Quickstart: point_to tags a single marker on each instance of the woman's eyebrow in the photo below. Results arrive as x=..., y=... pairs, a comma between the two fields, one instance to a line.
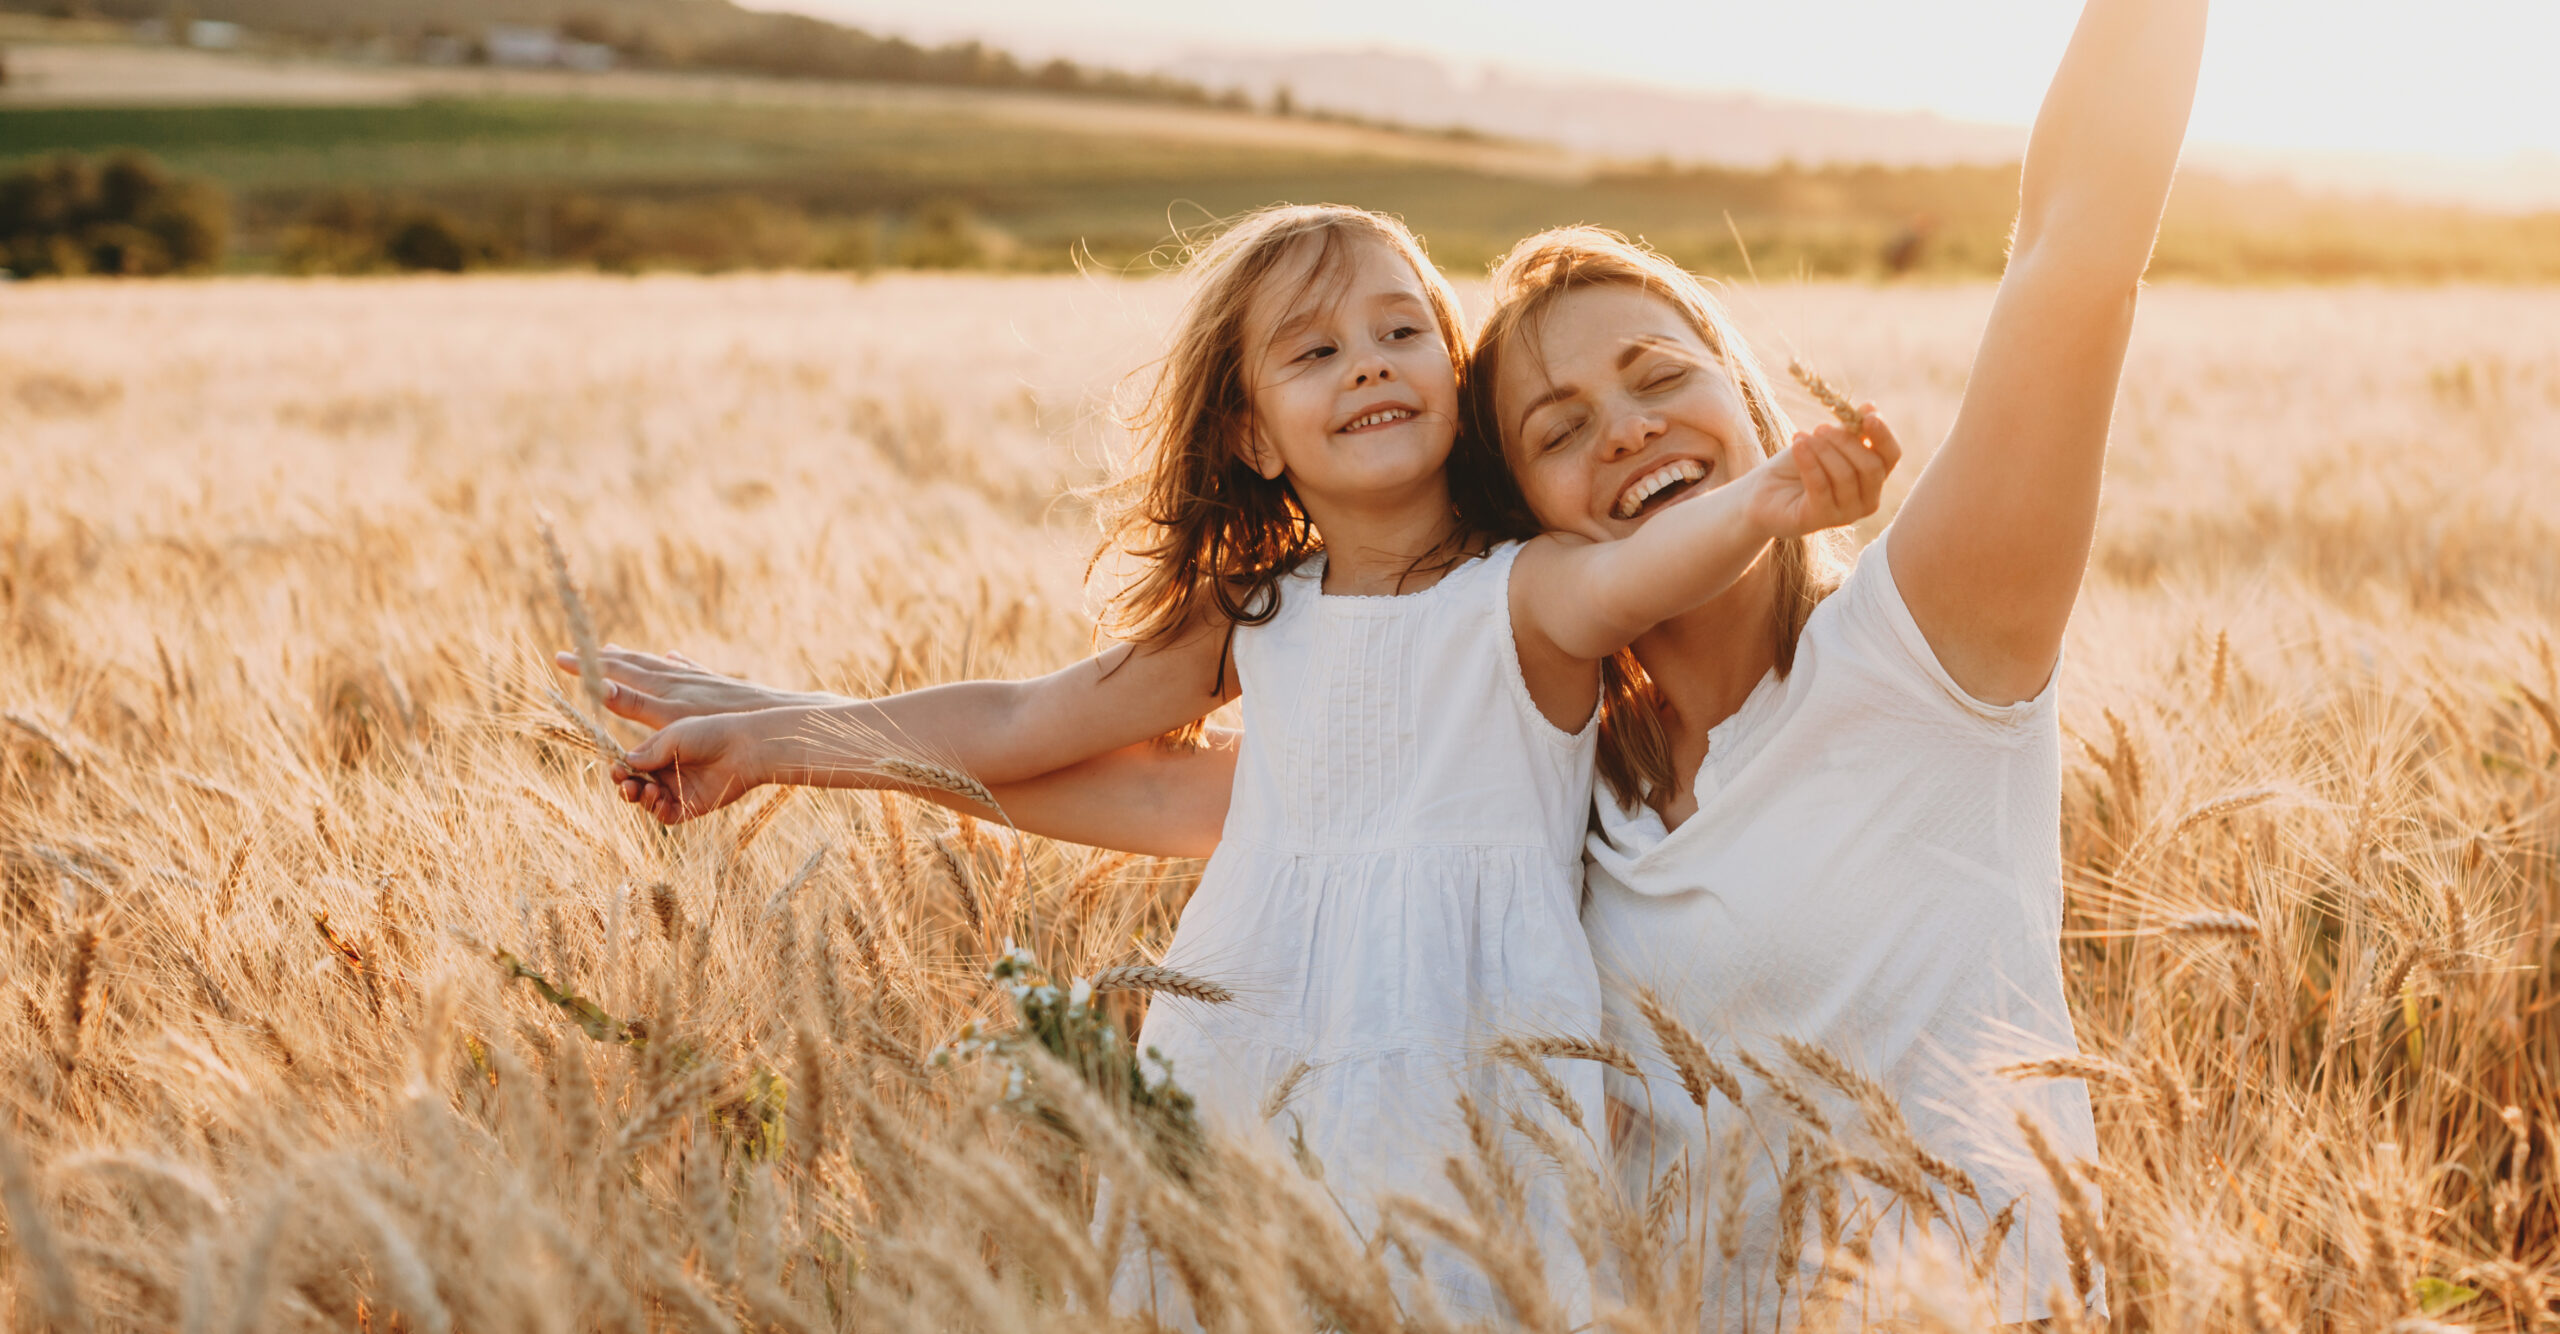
x=1556, y=393
x=1643, y=343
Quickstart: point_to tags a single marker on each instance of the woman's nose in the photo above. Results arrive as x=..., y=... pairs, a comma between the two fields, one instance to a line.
x=1630, y=432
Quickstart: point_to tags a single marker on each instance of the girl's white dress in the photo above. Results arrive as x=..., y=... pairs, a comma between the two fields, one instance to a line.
x=1398, y=884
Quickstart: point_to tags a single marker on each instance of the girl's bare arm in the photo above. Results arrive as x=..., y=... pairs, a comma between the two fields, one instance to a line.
x=1990, y=547
x=1587, y=600
x=1152, y=798
x=995, y=732
x=1156, y=799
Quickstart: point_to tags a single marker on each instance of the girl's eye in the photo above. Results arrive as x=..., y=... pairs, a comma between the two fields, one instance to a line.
x=1405, y=331
x=1316, y=353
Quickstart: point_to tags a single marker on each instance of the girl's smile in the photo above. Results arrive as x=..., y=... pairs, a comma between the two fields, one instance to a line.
x=1355, y=395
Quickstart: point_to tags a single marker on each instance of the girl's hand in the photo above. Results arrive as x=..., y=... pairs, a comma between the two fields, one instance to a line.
x=693, y=766
x=1829, y=477
x=655, y=690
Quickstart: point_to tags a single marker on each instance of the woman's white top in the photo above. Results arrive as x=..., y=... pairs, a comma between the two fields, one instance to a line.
x=1875, y=868
x=1399, y=882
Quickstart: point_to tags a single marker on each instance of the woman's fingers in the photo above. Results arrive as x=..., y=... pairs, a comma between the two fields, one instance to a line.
x=641, y=707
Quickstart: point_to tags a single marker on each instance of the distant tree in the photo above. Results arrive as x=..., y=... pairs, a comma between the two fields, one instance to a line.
x=588, y=26
x=69, y=214
x=1282, y=104
x=942, y=234
x=431, y=240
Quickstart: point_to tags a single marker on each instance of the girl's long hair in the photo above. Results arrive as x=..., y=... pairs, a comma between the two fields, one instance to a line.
x=1201, y=522
x=1635, y=752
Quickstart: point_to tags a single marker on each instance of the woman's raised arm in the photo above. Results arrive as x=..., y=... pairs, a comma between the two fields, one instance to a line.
x=1990, y=547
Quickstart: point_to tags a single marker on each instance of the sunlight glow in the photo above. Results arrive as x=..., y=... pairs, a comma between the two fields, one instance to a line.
x=2457, y=78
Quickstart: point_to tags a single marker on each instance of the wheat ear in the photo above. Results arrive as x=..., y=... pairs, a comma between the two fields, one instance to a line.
x=937, y=778
x=1148, y=977
x=1831, y=399
x=2212, y=926
x=582, y=633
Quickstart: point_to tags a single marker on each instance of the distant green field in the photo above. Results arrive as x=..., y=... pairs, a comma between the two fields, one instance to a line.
x=1050, y=190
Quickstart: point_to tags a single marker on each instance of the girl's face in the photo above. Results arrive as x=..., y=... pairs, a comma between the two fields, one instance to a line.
x=1612, y=409
x=1355, y=394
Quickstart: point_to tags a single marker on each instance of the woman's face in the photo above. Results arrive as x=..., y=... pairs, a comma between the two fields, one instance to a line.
x=1612, y=410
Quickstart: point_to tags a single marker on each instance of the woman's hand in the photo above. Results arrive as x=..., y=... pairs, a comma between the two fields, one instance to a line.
x=655, y=689
x=1828, y=477
x=694, y=766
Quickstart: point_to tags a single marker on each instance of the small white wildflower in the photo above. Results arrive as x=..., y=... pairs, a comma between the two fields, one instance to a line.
x=1013, y=1084
x=1079, y=994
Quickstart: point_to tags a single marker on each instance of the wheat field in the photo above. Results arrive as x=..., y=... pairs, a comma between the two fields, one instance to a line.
x=344, y=995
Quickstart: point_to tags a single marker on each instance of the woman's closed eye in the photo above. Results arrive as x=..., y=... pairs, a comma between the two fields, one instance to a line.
x=1668, y=377
x=1562, y=433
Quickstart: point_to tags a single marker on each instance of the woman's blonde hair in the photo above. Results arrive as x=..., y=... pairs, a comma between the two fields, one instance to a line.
x=1635, y=753
x=1193, y=510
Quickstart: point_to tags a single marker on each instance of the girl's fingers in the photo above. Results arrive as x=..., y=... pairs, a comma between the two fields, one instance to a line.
x=1831, y=457
x=1881, y=439
x=1816, y=478
x=1870, y=468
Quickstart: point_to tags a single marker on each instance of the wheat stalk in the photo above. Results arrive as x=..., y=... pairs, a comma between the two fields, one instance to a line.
x=1150, y=977
x=582, y=634
x=2211, y=926
x=1699, y=1071
x=937, y=778
x=2090, y=1069
x=2217, y=808
x=1798, y=1102
x=1832, y=400
x=1564, y=1047
x=1514, y=1053
x=808, y=868
x=2079, y=1222
x=1275, y=1099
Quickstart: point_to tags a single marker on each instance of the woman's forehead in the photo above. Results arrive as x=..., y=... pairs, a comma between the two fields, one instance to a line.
x=1602, y=324
x=1590, y=331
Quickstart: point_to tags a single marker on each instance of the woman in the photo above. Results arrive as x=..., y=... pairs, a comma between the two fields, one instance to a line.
x=1841, y=825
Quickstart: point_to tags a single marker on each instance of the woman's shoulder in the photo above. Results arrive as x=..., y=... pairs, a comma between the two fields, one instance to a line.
x=1865, y=620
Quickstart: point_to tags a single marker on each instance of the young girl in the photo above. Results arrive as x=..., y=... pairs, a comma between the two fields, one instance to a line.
x=1398, y=877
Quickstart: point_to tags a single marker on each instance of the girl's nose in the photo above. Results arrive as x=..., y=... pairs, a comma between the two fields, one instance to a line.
x=1375, y=368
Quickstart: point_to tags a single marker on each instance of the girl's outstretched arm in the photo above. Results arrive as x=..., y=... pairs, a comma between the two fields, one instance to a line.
x=1990, y=547
x=1152, y=799
x=997, y=732
x=1585, y=600
x=1155, y=799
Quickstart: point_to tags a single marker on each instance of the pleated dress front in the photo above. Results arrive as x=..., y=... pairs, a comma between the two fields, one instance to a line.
x=1398, y=883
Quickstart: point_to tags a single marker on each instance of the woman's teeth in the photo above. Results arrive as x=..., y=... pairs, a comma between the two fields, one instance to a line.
x=1651, y=484
x=1380, y=418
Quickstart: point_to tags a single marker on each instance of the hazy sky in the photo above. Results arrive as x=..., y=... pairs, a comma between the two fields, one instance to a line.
x=2469, y=78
